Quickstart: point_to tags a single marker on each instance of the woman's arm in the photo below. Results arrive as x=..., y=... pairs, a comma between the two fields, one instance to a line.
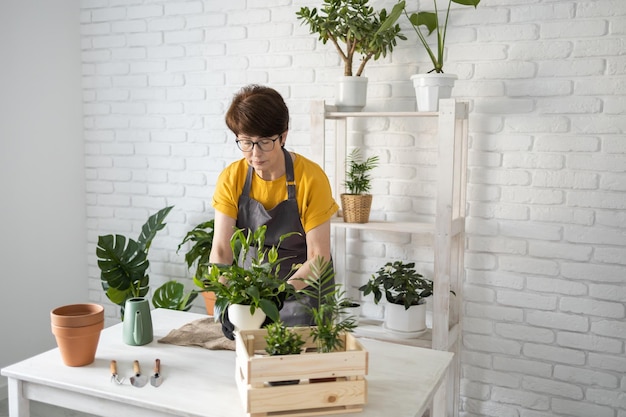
x=223, y=228
x=318, y=244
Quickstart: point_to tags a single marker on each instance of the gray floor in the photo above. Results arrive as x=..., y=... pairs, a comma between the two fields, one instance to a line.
x=42, y=410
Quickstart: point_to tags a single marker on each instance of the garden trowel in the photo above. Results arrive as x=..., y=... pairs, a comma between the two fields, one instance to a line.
x=156, y=378
x=138, y=380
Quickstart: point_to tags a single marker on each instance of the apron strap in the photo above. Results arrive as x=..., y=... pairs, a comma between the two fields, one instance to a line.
x=291, y=182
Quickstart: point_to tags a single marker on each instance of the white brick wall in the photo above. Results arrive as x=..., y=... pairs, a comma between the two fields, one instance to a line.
x=545, y=299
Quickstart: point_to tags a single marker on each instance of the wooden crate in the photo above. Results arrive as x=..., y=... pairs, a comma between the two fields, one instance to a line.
x=346, y=392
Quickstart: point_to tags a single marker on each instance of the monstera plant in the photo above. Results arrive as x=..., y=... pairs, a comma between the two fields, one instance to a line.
x=123, y=264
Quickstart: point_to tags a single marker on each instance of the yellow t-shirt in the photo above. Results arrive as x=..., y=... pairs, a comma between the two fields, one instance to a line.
x=313, y=194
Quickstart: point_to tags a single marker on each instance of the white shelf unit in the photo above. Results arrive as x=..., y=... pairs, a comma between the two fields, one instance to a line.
x=447, y=231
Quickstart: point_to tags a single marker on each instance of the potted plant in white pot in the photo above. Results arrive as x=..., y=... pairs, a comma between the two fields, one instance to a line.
x=250, y=294
x=405, y=291
x=356, y=202
x=435, y=84
x=354, y=28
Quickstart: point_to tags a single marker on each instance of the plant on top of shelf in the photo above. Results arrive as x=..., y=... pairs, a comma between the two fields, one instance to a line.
x=430, y=21
x=353, y=27
x=435, y=85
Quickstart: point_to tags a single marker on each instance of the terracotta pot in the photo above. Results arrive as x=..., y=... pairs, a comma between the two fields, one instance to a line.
x=209, y=302
x=78, y=345
x=77, y=315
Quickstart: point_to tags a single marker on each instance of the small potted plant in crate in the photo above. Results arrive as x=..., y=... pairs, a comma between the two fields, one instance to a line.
x=405, y=291
x=282, y=340
x=356, y=202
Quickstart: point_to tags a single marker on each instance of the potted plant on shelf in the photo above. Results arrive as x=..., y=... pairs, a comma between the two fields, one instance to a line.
x=354, y=28
x=405, y=291
x=356, y=202
x=123, y=264
x=250, y=293
x=202, y=238
x=434, y=85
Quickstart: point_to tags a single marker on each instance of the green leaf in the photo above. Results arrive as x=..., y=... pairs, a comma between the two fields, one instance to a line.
x=122, y=264
x=151, y=227
x=171, y=295
x=427, y=19
x=270, y=309
x=467, y=2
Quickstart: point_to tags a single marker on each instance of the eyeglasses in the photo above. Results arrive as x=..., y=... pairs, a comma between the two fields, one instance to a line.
x=265, y=144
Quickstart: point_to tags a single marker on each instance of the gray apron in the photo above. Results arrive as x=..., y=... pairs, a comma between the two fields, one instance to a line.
x=282, y=219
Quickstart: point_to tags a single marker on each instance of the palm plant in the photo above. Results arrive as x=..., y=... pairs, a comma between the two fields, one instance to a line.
x=329, y=324
x=358, y=180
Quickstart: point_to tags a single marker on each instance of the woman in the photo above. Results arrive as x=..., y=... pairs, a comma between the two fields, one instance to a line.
x=271, y=186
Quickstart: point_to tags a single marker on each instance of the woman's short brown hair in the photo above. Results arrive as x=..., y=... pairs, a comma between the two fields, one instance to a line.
x=257, y=111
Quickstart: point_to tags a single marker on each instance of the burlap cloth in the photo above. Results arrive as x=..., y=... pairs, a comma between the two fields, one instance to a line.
x=203, y=332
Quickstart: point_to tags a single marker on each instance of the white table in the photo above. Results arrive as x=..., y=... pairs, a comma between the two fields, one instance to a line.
x=402, y=380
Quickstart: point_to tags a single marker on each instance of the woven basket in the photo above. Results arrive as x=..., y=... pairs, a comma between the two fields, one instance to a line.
x=356, y=208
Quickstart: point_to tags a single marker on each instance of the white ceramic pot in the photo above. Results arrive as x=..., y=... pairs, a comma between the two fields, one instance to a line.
x=409, y=322
x=430, y=88
x=351, y=93
x=239, y=315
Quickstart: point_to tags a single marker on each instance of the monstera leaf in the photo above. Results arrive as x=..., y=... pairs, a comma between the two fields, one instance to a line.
x=172, y=295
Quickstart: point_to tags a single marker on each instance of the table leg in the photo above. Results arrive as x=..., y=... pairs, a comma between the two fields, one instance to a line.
x=19, y=406
x=440, y=400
